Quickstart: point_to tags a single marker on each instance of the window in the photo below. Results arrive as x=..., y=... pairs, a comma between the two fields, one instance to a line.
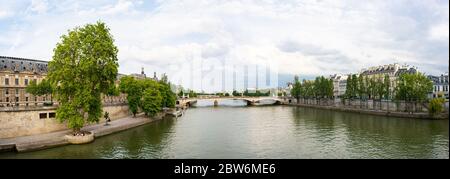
x=6, y=91
x=17, y=99
x=17, y=91
x=51, y=115
x=7, y=99
x=42, y=115
x=26, y=82
x=26, y=99
x=17, y=81
x=6, y=81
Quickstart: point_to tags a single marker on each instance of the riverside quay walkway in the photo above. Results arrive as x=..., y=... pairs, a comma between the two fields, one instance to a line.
x=49, y=140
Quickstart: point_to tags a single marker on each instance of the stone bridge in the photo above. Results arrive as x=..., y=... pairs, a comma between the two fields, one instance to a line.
x=251, y=101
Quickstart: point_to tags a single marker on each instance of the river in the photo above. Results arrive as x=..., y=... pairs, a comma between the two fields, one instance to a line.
x=235, y=131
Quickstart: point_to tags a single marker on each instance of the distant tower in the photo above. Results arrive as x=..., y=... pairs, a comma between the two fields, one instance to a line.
x=154, y=77
x=142, y=71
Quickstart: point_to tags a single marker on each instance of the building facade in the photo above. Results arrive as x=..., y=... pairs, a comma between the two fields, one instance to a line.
x=15, y=75
x=339, y=84
x=440, y=86
x=393, y=71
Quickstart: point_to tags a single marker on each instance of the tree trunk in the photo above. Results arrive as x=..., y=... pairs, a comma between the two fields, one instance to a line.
x=76, y=131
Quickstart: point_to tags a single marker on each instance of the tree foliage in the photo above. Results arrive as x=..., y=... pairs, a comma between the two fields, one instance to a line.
x=364, y=87
x=296, y=88
x=235, y=93
x=413, y=87
x=168, y=96
x=436, y=106
x=130, y=86
x=151, y=101
x=352, y=88
x=321, y=87
x=257, y=93
x=192, y=94
x=139, y=94
x=43, y=88
x=84, y=66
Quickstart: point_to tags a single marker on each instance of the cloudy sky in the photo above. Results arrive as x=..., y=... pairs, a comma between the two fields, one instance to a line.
x=305, y=37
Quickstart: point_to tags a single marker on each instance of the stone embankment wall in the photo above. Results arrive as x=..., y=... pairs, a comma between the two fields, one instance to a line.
x=24, y=122
x=376, y=107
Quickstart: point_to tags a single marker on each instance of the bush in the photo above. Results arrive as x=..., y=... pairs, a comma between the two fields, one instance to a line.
x=436, y=106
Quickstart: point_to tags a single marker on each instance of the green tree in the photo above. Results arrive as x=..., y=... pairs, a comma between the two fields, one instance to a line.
x=43, y=88
x=192, y=94
x=436, y=106
x=349, y=89
x=181, y=93
x=354, y=86
x=380, y=89
x=113, y=91
x=133, y=89
x=246, y=93
x=84, y=66
x=151, y=102
x=362, y=89
x=371, y=88
x=413, y=87
x=296, y=89
x=387, y=87
x=235, y=93
x=168, y=96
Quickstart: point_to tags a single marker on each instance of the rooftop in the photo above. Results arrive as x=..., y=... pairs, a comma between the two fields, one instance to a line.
x=15, y=64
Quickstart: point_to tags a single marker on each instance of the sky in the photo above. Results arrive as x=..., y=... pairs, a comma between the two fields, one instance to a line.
x=215, y=45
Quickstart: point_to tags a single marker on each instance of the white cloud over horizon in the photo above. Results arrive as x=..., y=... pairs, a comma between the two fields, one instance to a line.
x=306, y=37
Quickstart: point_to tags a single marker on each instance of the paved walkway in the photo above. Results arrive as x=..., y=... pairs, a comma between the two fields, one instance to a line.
x=43, y=141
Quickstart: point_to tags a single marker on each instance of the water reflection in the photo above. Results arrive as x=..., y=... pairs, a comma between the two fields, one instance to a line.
x=267, y=132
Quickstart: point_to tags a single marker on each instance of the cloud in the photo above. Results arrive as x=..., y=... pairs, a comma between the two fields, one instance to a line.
x=39, y=6
x=4, y=14
x=440, y=32
x=306, y=49
x=306, y=37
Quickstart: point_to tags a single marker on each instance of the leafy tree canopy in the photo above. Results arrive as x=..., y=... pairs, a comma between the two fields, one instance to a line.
x=84, y=66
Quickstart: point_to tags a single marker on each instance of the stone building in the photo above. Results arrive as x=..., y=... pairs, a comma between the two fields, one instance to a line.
x=440, y=86
x=392, y=70
x=339, y=84
x=15, y=75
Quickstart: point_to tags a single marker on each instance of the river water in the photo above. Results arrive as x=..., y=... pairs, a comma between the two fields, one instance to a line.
x=234, y=131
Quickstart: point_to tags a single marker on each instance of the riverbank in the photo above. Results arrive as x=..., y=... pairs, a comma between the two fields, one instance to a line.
x=55, y=139
x=417, y=115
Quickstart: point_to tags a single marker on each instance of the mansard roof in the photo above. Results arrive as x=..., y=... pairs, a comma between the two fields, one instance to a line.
x=14, y=64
